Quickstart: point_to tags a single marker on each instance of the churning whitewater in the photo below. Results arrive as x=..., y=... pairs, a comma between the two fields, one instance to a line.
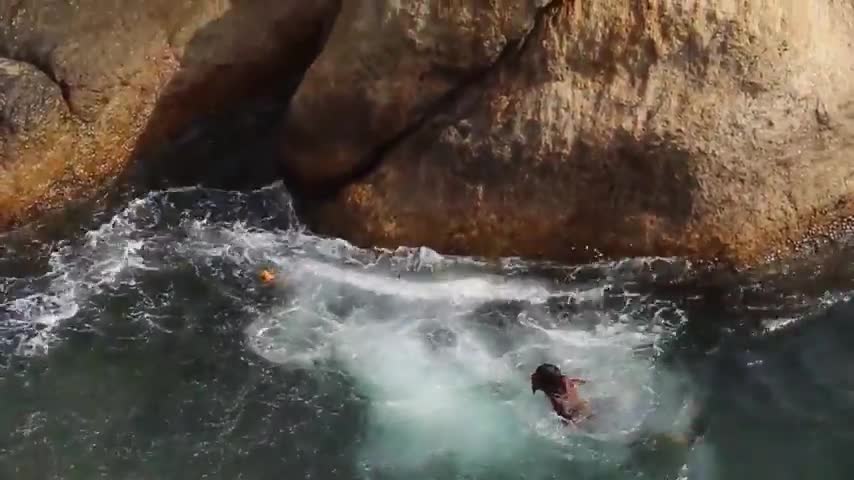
x=436, y=351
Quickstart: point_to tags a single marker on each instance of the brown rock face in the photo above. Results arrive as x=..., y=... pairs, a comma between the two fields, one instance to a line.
x=32, y=119
x=86, y=86
x=558, y=129
x=386, y=65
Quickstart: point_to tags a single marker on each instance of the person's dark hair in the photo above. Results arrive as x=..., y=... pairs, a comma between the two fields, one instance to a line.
x=548, y=378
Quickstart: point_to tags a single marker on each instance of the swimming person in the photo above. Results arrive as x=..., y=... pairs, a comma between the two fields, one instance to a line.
x=562, y=392
x=267, y=276
x=565, y=400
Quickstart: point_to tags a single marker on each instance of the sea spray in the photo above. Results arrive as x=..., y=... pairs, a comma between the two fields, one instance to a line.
x=449, y=392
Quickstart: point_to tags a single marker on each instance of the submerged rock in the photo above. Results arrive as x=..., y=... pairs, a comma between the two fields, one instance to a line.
x=567, y=128
x=87, y=86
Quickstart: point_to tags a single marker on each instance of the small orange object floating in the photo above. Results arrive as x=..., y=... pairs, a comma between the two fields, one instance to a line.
x=267, y=276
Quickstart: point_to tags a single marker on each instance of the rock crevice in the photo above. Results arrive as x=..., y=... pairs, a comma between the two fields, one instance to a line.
x=319, y=187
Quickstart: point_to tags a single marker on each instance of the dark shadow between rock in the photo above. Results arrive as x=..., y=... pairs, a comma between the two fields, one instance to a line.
x=215, y=129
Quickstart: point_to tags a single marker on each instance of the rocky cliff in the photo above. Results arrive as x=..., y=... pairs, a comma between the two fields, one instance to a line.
x=87, y=87
x=559, y=129
x=563, y=128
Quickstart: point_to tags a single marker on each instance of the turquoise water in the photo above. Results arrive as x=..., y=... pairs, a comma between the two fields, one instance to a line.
x=141, y=345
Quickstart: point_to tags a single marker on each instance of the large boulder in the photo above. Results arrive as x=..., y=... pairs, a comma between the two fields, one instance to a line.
x=88, y=86
x=567, y=128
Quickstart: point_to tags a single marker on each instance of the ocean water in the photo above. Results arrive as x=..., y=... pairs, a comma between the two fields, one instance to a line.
x=141, y=344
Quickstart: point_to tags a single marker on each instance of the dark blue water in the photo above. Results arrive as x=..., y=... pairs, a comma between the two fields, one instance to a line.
x=140, y=344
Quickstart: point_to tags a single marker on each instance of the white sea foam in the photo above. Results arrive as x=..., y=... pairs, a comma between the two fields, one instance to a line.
x=443, y=384
x=77, y=271
x=441, y=346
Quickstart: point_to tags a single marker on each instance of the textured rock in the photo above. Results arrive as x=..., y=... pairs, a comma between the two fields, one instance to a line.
x=708, y=129
x=386, y=65
x=86, y=86
x=32, y=114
